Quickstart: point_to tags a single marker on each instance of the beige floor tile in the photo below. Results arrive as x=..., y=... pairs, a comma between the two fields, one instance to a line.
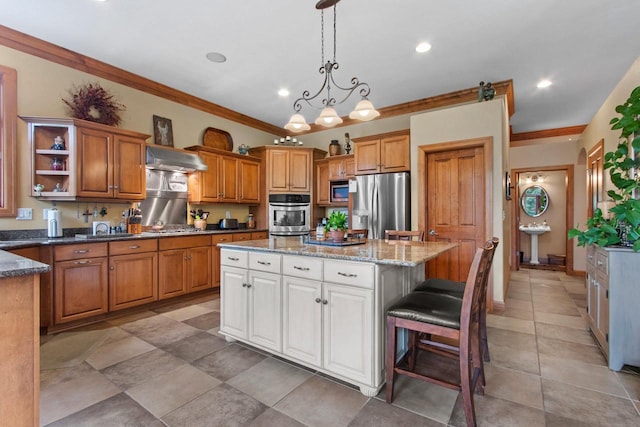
x=518, y=325
x=587, y=405
x=566, y=309
x=320, y=402
x=631, y=383
x=213, y=304
x=516, y=313
x=378, y=413
x=563, y=333
x=522, y=296
x=270, y=418
x=269, y=381
x=495, y=412
x=585, y=375
x=195, y=346
x=518, y=304
x=118, y=351
x=159, y=330
x=576, y=322
x=507, y=357
x=570, y=351
x=131, y=317
x=429, y=400
x=141, y=368
x=70, y=348
x=229, y=361
x=76, y=393
x=187, y=312
x=166, y=392
x=515, y=386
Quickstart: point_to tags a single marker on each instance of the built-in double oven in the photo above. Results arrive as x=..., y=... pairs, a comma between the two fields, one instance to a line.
x=289, y=214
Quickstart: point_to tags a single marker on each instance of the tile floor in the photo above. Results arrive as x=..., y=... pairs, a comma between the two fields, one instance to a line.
x=170, y=367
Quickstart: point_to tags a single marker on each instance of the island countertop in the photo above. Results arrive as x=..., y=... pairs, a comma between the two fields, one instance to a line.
x=403, y=253
x=14, y=265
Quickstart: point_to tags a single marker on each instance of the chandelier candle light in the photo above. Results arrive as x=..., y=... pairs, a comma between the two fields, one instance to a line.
x=364, y=110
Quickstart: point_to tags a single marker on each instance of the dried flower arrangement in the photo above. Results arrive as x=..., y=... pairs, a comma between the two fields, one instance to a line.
x=92, y=102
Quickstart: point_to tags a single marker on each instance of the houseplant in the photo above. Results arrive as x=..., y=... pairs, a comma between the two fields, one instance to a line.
x=622, y=225
x=337, y=225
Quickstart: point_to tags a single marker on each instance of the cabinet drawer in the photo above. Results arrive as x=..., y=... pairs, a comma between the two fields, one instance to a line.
x=133, y=246
x=184, y=242
x=239, y=237
x=264, y=262
x=305, y=267
x=602, y=262
x=234, y=258
x=85, y=250
x=221, y=238
x=591, y=255
x=349, y=273
x=258, y=235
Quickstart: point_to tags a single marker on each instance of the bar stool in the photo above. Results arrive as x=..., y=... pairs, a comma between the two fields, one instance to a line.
x=417, y=235
x=443, y=316
x=456, y=289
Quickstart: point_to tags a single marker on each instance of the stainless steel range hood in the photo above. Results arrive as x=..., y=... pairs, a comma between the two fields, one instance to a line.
x=173, y=160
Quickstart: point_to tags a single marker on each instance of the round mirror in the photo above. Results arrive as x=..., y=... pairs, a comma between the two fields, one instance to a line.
x=534, y=200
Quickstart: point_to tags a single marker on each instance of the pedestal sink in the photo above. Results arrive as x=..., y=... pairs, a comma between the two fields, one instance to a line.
x=534, y=231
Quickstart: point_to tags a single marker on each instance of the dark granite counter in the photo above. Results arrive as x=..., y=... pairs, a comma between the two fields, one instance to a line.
x=13, y=265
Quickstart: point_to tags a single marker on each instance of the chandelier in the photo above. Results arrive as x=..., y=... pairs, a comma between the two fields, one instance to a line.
x=364, y=110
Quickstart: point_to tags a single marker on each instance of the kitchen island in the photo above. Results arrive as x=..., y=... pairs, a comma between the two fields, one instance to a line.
x=319, y=306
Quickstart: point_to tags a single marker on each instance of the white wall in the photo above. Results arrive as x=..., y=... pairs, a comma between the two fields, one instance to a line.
x=486, y=119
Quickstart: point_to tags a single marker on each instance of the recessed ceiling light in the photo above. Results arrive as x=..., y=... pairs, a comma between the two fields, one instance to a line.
x=423, y=47
x=283, y=93
x=216, y=57
x=544, y=83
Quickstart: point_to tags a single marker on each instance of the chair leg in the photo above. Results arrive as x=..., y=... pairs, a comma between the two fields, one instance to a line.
x=465, y=386
x=477, y=364
x=413, y=350
x=390, y=359
x=484, y=342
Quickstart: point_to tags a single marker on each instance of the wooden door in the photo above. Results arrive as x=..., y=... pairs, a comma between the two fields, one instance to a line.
x=234, y=311
x=80, y=289
x=209, y=180
x=249, y=181
x=302, y=319
x=595, y=177
x=367, y=157
x=129, y=172
x=215, y=256
x=199, y=268
x=278, y=170
x=265, y=309
x=322, y=177
x=349, y=167
x=94, y=163
x=172, y=273
x=336, y=170
x=133, y=280
x=300, y=171
x=229, y=179
x=394, y=154
x=455, y=209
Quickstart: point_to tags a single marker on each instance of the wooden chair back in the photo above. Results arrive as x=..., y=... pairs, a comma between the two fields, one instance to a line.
x=417, y=235
x=357, y=233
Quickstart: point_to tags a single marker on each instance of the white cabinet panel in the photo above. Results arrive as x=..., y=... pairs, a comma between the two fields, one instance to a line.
x=302, y=319
x=265, y=309
x=233, y=296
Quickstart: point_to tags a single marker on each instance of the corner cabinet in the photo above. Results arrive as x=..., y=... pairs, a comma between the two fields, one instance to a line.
x=230, y=178
x=382, y=153
x=98, y=162
x=613, y=298
x=184, y=265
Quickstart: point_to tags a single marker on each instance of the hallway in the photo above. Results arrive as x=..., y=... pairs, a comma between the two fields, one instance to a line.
x=170, y=367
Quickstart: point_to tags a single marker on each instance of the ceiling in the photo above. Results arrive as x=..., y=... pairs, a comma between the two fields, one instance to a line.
x=583, y=46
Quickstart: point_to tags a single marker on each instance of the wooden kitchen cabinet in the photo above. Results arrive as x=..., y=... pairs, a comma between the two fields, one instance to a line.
x=184, y=265
x=215, y=256
x=382, y=153
x=323, y=183
x=229, y=178
x=98, y=162
x=80, y=281
x=341, y=168
x=133, y=273
x=288, y=169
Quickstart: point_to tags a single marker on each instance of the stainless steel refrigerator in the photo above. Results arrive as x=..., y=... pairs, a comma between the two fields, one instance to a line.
x=381, y=202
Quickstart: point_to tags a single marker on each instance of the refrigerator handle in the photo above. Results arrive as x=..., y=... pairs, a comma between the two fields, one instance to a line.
x=374, y=209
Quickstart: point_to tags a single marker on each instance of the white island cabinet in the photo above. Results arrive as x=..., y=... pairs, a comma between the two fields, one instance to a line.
x=322, y=308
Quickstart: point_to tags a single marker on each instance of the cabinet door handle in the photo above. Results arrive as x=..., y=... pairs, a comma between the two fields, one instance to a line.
x=244, y=285
x=134, y=247
x=301, y=269
x=186, y=258
x=223, y=240
x=248, y=285
x=325, y=302
x=86, y=261
x=232, y=258
x=111, y=267
x=116, y=187
x=264, y=263
x=81, y=251
x=347, y=274
x=599, y=263
x=318, y=300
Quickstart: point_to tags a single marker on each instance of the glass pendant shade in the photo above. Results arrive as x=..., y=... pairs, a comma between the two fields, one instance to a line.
x=364, y=111
x=328, y=118
x=297, y=123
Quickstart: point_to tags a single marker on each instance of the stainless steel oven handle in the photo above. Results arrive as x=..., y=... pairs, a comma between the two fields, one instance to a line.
x=290, y=205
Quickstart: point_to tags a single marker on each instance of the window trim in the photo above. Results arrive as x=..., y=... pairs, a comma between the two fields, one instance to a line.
x=8, y=145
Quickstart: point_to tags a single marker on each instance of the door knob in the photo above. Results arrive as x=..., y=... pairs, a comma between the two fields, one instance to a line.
x=432, y=233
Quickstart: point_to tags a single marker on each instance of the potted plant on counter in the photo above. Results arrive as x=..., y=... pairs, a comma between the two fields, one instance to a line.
x=337, y=225
x=621, y=224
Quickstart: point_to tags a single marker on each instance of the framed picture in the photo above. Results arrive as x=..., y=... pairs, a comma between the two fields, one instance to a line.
x=162, y=131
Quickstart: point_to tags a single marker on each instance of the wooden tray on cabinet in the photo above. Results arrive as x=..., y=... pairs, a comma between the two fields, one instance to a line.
x=217, y=138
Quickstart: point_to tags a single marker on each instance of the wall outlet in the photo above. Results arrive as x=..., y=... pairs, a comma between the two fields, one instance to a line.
x=228, y=214
x=25, y=214
x=45, y=213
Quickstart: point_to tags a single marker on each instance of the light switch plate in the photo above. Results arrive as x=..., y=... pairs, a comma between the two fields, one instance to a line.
x=25, y=214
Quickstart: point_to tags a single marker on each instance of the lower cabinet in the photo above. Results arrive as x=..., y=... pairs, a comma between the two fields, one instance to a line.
x=184, y=265
x=325, y=313
x=80, y=281
x=133, y=273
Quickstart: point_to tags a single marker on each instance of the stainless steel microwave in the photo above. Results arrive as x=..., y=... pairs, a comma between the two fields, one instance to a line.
x=339, y=191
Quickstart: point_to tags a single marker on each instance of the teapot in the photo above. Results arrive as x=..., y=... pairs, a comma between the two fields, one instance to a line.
x=243, y=149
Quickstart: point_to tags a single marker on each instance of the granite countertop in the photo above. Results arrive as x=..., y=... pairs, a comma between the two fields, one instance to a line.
x=85, y=238
x=408, y=254
x=13, y=265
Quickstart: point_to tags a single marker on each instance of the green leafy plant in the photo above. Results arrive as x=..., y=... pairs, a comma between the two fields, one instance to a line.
x=623, y=227
x=337, y=221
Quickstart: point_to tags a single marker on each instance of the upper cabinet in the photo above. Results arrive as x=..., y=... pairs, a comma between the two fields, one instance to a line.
x=76, y=159
x=342, y=168
x=382, y=153
x=288, y=169
x=230, y=178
